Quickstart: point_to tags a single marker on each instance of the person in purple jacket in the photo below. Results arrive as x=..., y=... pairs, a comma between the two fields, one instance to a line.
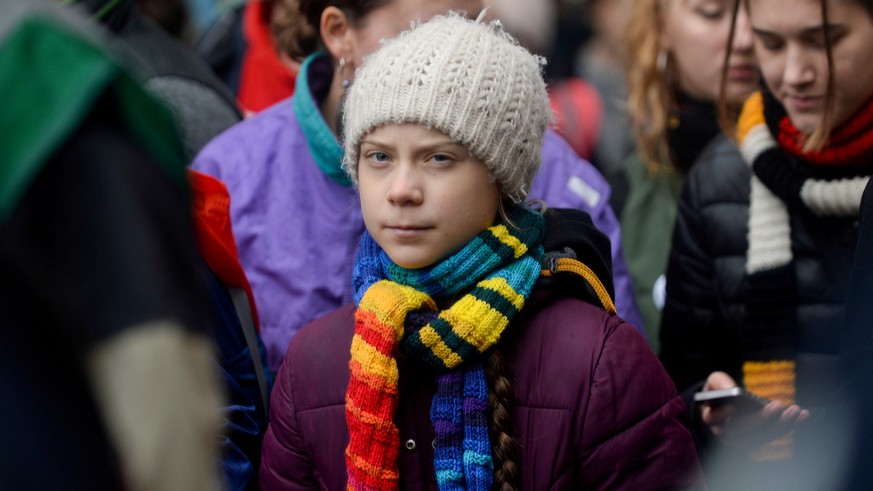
x=474, y=355
x=295, y=213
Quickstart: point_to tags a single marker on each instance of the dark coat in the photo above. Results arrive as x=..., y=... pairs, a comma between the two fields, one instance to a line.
x=594, y=409
x=202, y=105
x=703, y=317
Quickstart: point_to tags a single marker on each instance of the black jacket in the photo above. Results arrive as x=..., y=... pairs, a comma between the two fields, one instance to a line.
x=706, y=280
x=202, y=104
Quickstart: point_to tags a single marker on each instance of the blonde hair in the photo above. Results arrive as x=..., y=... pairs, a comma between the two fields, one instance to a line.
x=650, y=95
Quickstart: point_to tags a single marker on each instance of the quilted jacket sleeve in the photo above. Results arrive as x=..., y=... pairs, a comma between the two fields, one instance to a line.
x=633, y=433
x=285, y=463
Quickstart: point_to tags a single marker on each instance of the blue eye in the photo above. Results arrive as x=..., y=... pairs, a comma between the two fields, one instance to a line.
x=377, y=156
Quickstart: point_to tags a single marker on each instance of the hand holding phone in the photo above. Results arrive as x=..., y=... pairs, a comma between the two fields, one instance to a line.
x=745, y=419
x=741, y=400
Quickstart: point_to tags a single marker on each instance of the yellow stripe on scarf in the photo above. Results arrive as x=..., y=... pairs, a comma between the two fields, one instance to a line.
x=774, y=380
x=440, y=349
x=374, y=362
x=501, y=286
x=467, y=317
x=465, y=322
x=752, y=115
x=505, y=237
x=390, y=302
x=771, y=379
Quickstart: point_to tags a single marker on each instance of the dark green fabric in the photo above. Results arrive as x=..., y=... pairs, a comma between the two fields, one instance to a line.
x=646, y=230
x=44, y=104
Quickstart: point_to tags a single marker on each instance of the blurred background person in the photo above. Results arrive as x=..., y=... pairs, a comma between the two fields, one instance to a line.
x=246, y=48
x=172, y=16
x=576, y=104
x=762, y=251
x=600, y=62
x=222, y=45
x=857, y=349
x=675, y=53
x=203, y=107
x=202, y=104
x=106, y=356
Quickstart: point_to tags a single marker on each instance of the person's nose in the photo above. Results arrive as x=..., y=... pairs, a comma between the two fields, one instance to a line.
x=799, y=67
x=405, y=186
x=743, y=41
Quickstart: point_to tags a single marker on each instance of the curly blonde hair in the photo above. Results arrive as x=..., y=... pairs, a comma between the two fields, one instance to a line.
x=650, y=95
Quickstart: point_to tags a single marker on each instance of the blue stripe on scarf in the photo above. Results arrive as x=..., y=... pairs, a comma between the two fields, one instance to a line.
x=462, y=454
x=478, y=466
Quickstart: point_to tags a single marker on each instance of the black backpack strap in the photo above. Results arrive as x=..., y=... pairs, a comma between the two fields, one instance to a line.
x=244, y=311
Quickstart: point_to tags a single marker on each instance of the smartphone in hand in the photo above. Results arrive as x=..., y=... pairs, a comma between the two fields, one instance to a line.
x=742, y=401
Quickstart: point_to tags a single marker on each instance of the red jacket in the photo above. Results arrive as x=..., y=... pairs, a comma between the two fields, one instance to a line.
x=594, y=408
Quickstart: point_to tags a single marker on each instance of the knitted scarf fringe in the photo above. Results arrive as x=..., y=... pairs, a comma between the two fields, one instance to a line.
x=497, y=270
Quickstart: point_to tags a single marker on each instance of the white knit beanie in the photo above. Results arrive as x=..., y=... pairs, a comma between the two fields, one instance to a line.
x=469, y=80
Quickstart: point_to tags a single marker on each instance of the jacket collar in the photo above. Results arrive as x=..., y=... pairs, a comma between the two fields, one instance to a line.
x=313, y=83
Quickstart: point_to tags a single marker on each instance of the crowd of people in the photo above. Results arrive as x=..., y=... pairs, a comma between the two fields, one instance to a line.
x=376, y=244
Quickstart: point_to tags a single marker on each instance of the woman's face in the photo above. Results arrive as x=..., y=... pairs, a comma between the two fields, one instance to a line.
x=423, y=196
x=389, y=20
x=696, y=37
x=790, y=46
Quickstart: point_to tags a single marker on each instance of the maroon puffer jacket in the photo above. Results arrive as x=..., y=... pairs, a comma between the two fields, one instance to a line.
x=594, y=408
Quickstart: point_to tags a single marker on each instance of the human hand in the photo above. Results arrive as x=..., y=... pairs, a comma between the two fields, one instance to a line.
x=737, y=424
x=715, y=416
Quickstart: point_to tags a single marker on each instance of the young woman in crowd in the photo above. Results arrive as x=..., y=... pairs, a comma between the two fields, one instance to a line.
x=674, y=69
x=296, y=215
x=471, y=366
x=764, y=239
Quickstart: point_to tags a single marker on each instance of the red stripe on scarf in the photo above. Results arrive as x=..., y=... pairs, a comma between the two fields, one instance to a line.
x=850, y=144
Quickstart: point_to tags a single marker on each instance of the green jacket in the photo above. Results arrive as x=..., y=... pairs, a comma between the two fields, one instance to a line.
x=647, y=227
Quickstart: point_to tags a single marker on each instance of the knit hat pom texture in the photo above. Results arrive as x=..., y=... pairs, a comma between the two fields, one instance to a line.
x=469, y=80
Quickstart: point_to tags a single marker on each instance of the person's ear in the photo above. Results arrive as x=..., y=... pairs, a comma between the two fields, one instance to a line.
x=336, y=32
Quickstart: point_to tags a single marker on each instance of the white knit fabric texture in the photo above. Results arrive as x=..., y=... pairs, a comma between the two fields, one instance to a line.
x=467, y=79
x=834, y=198
x=769, y=227
x=769, y=230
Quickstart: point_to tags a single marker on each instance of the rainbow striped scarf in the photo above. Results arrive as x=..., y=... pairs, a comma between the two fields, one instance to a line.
x=397, y=309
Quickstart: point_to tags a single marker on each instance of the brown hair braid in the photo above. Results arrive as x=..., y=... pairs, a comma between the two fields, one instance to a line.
x=504, y=446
